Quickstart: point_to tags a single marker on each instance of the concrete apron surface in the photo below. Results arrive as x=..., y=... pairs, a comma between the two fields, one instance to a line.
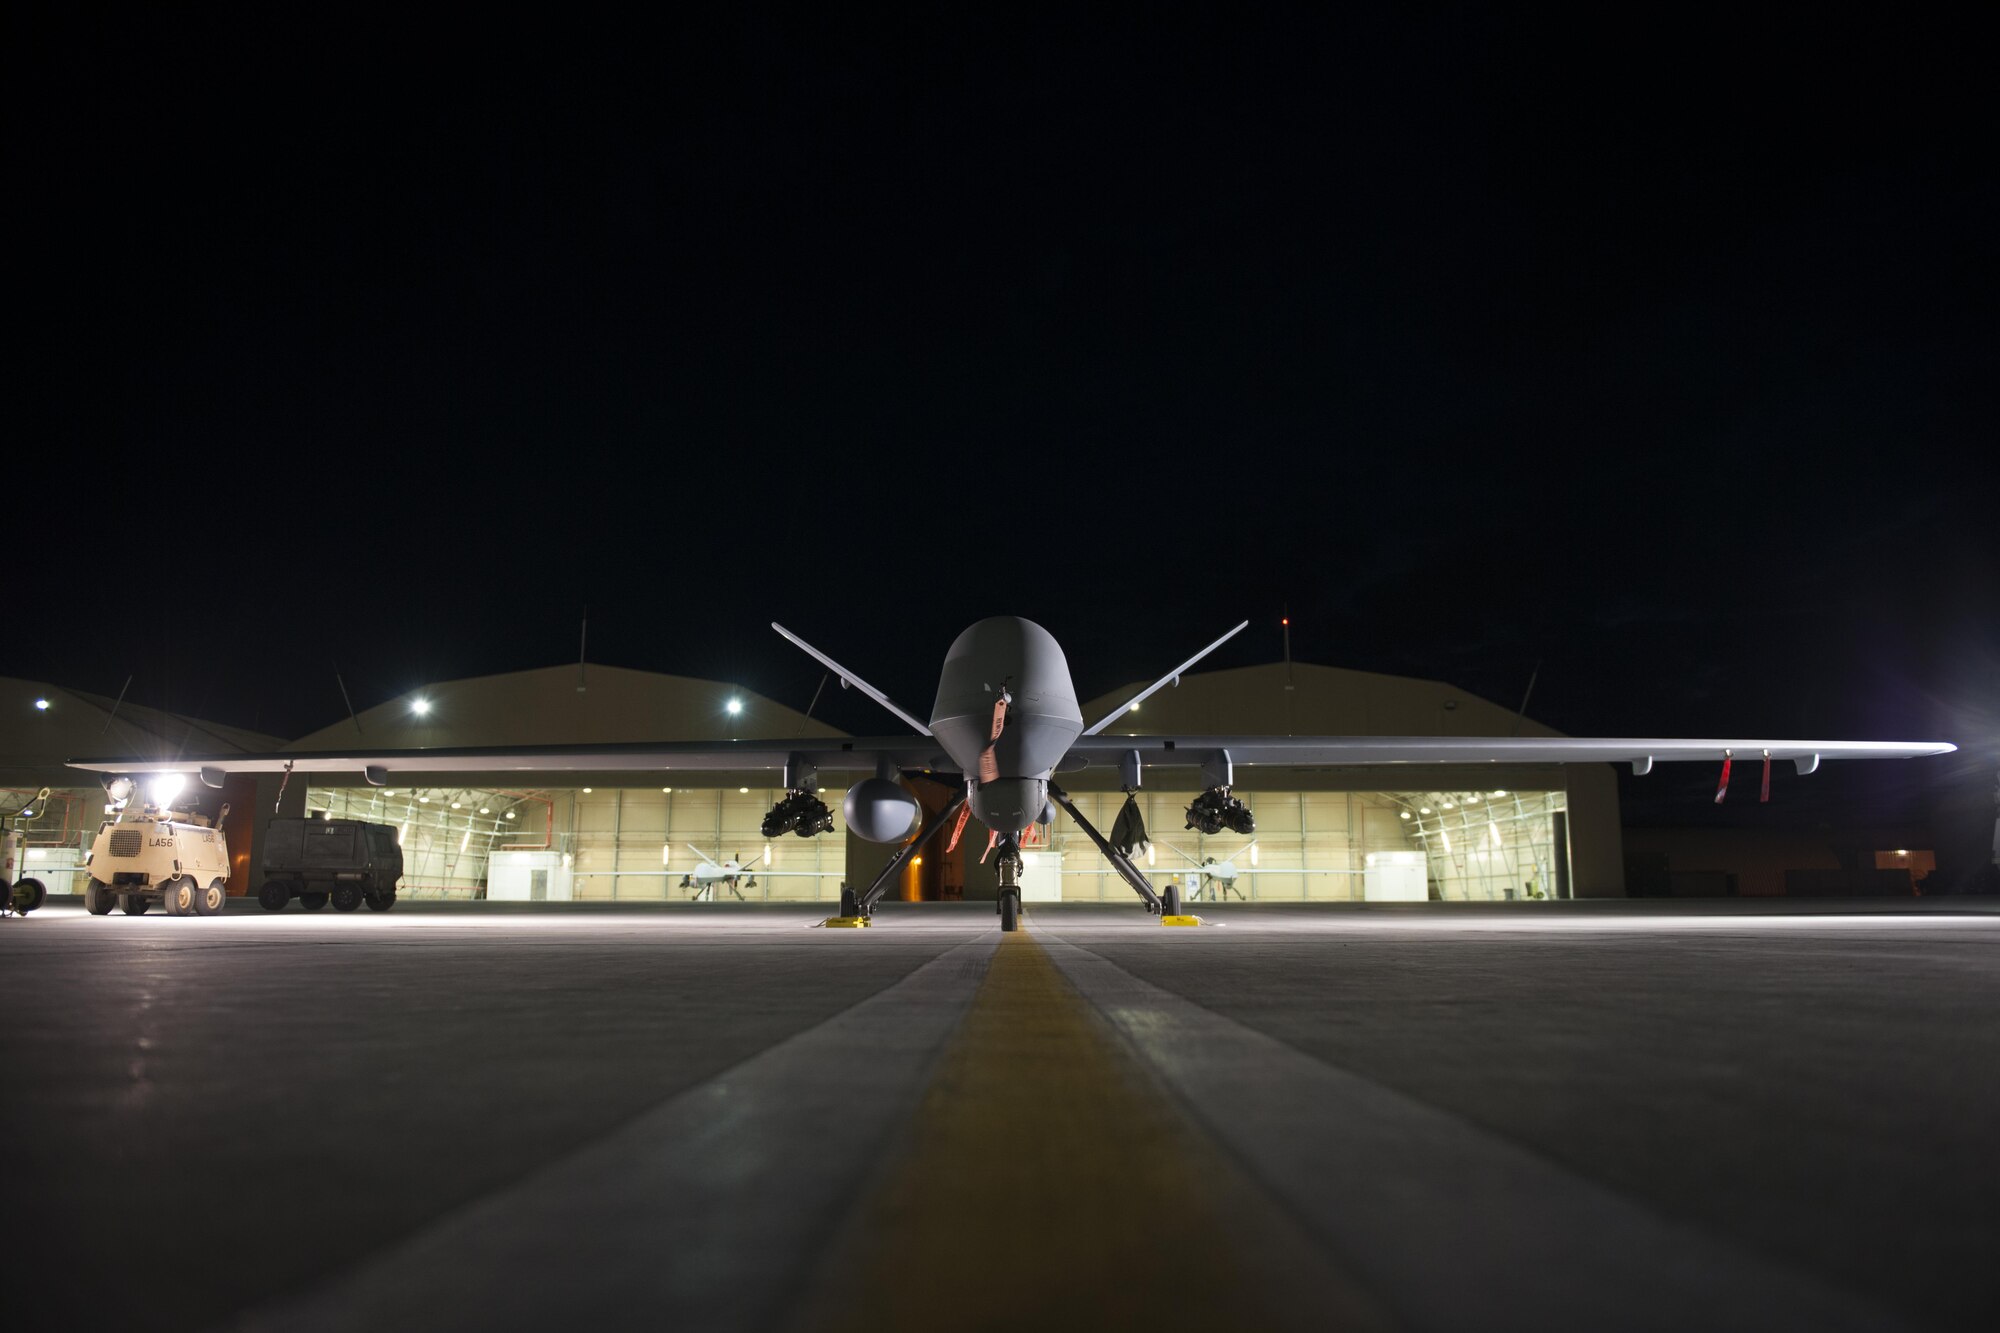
x=1021, y=1133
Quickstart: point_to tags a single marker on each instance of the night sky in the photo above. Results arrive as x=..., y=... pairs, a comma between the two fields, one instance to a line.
x=1657, y=347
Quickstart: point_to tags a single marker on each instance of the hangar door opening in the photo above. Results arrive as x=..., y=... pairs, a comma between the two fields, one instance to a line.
x=1489, y=846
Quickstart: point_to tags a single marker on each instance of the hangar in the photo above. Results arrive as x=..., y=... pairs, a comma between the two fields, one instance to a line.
x=1324, y=834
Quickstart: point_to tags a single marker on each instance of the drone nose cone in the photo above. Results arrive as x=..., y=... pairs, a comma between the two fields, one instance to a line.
x=1020, y=657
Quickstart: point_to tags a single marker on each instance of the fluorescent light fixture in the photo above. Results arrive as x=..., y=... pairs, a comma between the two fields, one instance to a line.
x=666, y=853
x=767, y=854
x=403, y=836
x=1445, y=833
x=462, y=841
x=510, y=814
x=1494, y=828
x=423, y=800
x=1423, y=809
x=421, y=707
x=1472, y=799
x=1253, y=853
x=742, y=791
x=455, y=805
x=1499, y=793
x=1151, y=856
x=167, y=786
x=586, y=791
x=484, y=811
x=733, y=707
x=1402, y=814
x=1449, y=806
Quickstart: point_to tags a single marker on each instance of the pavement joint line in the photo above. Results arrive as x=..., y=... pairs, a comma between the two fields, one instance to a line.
x=704, y=1211
x=1452, y=1226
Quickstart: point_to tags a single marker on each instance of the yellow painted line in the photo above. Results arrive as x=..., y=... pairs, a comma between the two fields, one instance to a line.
x=1049, y=1181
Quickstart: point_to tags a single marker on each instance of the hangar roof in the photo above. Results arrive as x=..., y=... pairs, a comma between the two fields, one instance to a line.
x=545, y=706
x=36, y=742
x=1320, y=701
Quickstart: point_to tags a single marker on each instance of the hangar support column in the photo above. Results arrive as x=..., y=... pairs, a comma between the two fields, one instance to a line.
x=1597, y=842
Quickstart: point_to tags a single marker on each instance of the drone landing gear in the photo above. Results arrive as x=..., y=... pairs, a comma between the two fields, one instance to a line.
x=1009, y=905
x=858, y=909
x=1168, y=908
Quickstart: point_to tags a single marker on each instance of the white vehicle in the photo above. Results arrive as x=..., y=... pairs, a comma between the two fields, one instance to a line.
x=153, y=853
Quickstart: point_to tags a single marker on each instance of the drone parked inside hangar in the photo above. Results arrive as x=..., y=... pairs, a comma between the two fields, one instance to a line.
x=1004, y=725
x=736, y=874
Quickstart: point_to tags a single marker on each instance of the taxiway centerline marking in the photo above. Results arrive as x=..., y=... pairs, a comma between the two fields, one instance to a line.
x=1048, y=1178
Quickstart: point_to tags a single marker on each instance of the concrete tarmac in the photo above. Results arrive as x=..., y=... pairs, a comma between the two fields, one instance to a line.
x=1531, y=1116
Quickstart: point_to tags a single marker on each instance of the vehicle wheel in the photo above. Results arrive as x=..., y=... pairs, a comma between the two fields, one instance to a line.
x=1170, y=901
x=274, y=895
x=178, y=894
x=346, y=897
x=381, y=902
x=97, y=898
x=312, y=902
x=211, y=900
x=1010, y=911
x=134, y=904
x=28, y=895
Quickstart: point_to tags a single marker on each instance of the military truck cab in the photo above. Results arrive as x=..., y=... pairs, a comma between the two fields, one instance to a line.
x=153, y=855
x=347, y=862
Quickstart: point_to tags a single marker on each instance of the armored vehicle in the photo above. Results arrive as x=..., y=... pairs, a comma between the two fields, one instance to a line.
x=154, y=855
x=317, y=860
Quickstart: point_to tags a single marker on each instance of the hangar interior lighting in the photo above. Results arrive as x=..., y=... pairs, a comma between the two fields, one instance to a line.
x=510, y=814
x=586, y=791
x=666, y=853
x=733, y=707
x=421, y=707
x=484, y=811
x=1404, y=814
x=455, y=805
x=42, y=704
x=740, y=791
x=423, y=800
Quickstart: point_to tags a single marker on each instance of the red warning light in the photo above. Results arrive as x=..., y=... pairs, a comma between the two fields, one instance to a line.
x=1286, y=621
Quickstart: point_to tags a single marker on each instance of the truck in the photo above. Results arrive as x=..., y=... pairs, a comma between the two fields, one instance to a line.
x=153, y=854
x=320, y=859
